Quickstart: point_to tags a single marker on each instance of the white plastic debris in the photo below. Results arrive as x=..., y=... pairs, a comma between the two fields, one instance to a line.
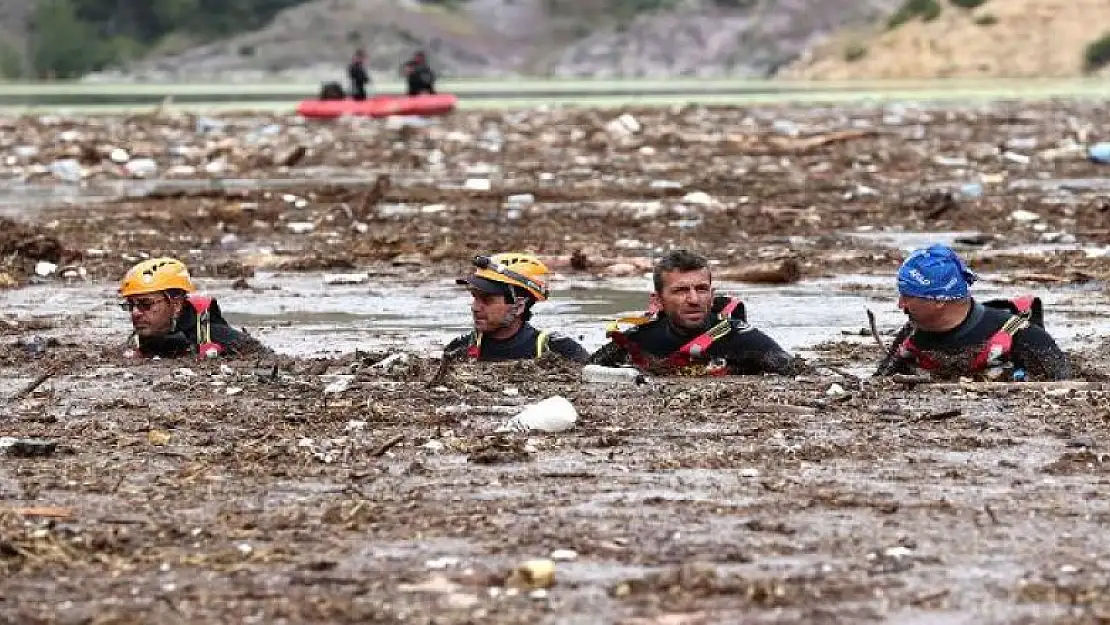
x=44, y=268
x=552, y=415
x=340, y=384
x=141, y=168
x=598, y=374
x=346, y=278
x=834, y=390
x=624, y=126
x=564, y=555
x=400, y=358
x=477, y=184
x=119, y=155
x=1024, y=216
x=67, y=169
x=300, y=227
x=521, y=199
x=700, y=198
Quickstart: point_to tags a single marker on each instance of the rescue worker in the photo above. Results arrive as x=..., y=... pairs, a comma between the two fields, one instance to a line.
x=419, y=75
x=688, y=330
x=503, y=288
x=358, y=75
x=169, y=323
x=950, y=334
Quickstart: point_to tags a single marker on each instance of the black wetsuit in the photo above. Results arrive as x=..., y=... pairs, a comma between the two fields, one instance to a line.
x=183, y=341
x=520, y=346
x=1034, y=351
x=356, y=71
x=420, y=77
x=745, y=350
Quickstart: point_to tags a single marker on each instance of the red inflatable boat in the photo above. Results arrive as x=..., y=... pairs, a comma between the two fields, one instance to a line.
x=379, y=106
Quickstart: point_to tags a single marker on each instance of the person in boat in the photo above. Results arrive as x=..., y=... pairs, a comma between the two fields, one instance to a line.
x=358, y=75
x=419, y=75
x=689, y=330
x=503, y=289
x=168, y=322
x=950, y=334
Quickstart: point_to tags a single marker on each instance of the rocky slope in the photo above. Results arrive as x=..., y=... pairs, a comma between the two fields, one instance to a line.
x=998, y=39
x=499, y=37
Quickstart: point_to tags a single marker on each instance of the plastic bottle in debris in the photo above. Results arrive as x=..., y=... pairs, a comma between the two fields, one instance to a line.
x=611, y=375
x=1099, y=153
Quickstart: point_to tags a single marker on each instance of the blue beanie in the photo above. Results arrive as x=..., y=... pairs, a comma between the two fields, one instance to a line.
x=935, y=273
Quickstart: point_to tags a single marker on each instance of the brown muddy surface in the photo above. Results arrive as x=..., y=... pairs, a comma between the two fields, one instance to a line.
x=244, y=491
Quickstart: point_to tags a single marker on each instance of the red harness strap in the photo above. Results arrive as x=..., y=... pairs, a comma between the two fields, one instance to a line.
x=689, y=353
x=997, y=346
x=206, y=347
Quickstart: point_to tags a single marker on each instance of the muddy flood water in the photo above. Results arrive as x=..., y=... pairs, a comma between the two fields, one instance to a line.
x=349, y=479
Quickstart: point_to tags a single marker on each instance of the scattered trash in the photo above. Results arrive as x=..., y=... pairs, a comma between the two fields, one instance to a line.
x=340, y=384
x=564, y=555
x=478, y=184
x=598, y=374
x=1099, y=152
x=552, y=415
x=531, y=575
x=346, y=278
x=27, y=447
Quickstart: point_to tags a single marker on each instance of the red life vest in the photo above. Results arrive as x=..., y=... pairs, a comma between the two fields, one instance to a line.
x=1026, y=311
x=694, y=351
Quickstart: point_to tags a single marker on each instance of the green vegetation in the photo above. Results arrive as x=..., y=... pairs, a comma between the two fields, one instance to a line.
x=11, y=62
x=854, y=51
x=967, y=4
x=69, y=38
x=927, y=10
x=1097, y=54
x=986, y=19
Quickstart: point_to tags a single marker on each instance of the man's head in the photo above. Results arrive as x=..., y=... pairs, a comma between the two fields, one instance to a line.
x=683, y=288
x=419, y=56
x=154, y=292
x=503, y=289
x=360, y=55
x=933, y=288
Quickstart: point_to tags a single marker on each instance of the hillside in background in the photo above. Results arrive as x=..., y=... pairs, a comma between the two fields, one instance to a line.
x=262, y=39
x=981, y=38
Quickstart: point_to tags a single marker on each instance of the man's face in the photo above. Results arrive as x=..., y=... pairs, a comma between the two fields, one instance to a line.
x=686, y=298
x=153, y=314
x=923, y=312
x=491, y=311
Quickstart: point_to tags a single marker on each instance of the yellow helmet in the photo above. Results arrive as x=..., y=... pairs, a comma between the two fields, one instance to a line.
x=154, y=275
x=512, y=268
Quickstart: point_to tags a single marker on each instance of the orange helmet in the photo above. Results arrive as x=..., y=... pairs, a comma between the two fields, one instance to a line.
x=154, y=275
x=512, y=268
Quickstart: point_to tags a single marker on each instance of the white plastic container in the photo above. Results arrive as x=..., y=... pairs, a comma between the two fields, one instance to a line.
x=552, y=415
x=611, y=375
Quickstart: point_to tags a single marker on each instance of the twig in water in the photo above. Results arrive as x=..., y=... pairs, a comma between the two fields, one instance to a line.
x=875, y=329
x=990, y=513
x=50, y=372
x=386, y=446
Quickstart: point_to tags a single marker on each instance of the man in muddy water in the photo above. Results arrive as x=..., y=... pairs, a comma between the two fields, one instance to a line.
x=950, y=334
x=688, y=330
x=170, y=323
x=503, y=289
